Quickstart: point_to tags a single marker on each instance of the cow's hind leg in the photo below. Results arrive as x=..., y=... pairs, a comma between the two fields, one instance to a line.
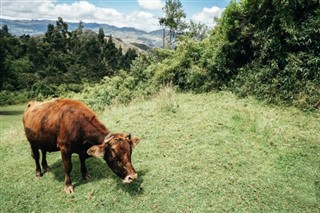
x=83, y=168
x=66, y=157
x=36, y=156
x=44, y=163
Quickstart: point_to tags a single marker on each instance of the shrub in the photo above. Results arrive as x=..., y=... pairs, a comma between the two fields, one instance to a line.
x=12, y=97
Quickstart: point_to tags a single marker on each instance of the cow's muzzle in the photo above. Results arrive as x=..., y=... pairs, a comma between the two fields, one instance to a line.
x=130, y=178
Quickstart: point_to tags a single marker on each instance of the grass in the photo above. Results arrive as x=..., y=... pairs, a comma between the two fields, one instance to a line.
x=198, y=153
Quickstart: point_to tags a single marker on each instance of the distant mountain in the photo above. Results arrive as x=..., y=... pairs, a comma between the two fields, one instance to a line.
x=126, y=34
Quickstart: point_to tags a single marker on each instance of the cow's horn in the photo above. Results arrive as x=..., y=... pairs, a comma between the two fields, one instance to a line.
x=109, y=135
x=108, y=138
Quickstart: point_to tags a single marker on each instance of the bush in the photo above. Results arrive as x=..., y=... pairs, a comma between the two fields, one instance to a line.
x=298, y=83
x=120, y=89
x=268, y=49
x=185, y=68
x=10, y=97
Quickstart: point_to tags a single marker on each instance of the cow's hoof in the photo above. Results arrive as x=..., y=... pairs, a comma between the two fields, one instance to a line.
x=86, y=177
x=38, y=175
x=46, y=169
x=68, y=189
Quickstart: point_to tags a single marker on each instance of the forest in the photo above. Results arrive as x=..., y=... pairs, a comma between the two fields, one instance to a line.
x=267, y=49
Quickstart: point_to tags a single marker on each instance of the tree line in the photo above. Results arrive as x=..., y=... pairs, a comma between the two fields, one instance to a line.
x=41, y=63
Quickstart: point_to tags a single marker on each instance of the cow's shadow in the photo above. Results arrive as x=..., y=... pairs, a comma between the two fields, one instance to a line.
x=11, y=112
x=98, y=170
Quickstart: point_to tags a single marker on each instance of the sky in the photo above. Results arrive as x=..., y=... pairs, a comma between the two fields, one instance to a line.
x=140, y=14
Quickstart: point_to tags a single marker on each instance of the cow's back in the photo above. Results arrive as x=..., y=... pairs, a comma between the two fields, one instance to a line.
x=46, y=122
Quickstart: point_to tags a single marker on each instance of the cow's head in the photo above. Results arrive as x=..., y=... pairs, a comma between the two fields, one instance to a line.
x=116, y=151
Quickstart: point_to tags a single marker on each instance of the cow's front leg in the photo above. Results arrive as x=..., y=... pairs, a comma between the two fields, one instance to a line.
x=83, y=168
x=66, y=157
x=44, y=163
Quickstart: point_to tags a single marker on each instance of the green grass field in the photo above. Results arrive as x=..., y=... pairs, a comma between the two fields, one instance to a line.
x=198, y=153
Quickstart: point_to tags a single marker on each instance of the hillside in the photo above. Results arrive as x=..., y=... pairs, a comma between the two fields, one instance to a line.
x=125, y=46
x=126, y=34
x=198, y=153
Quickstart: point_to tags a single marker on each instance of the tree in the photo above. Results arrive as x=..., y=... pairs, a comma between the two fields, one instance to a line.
x=5, y=29
x=48, y=34
x=35, y=55
x=91, y=57
x=112, y=54
x=197, y=31
x=101, y=35
x=161, y=22
x=57, y=36
x=62, y=27
x=80, y=27
x=173, y=21
x=128, y=57
x=76, y=39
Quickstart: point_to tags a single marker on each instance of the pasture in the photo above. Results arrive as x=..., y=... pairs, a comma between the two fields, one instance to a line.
x=198, y=153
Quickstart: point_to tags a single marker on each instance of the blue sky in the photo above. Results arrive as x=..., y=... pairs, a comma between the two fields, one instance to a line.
x=141, y=14
x=190, y=6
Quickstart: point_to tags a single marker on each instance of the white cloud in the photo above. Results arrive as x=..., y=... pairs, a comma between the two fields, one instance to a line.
x=151, y=4
x=206, y=16
x=81, y=10
x=141, y=20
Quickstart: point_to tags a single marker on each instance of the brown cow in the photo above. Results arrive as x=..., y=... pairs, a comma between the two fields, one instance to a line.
x=69, y=126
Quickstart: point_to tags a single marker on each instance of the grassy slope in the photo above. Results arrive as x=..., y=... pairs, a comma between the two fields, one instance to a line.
x=197, y=153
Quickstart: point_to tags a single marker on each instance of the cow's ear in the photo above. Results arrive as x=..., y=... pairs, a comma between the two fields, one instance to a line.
x=135, y=140
x=96, y=151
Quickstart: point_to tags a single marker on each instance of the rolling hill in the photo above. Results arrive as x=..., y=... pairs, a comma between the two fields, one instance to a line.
x=128, y=35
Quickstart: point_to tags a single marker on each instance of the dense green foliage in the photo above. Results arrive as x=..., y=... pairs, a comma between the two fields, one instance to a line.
x=268, y=49
x=58, y=61
x=281, y=42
